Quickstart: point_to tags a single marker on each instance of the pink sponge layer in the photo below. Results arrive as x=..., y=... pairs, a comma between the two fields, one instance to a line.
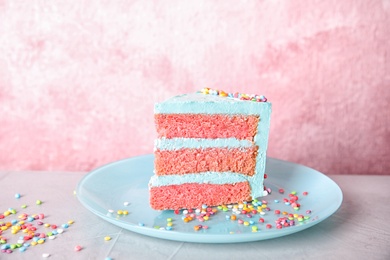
x=194, y=195
x=239, y=160
x=206, y=126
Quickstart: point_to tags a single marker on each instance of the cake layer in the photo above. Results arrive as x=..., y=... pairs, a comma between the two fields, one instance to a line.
x=206, y=126
x=194, y=195
x=239, y=160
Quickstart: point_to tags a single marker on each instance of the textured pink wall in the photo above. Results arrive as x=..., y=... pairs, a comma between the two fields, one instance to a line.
x=78, y=79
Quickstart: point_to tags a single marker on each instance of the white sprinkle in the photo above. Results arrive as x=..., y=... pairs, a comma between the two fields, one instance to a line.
x=45, y=255
x=126, y=203
x=52, y=237
x=60, y=230
x=185, y=212
x=111, y=211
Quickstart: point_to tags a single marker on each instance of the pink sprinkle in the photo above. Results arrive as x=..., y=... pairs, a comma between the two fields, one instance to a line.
x=305, y=193
x=281, y=191
x=78, y=248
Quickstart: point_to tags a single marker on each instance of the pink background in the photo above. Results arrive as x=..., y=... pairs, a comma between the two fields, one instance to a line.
x=78, y=79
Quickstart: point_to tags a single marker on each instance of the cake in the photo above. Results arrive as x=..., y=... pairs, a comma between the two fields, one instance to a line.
x=210, y=149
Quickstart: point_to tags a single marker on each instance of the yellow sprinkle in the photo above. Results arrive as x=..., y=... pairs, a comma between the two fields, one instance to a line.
x=246, y=223
x=125, y=212
x=6, y=213
x=47, y=225
x=41, y=241
x=205, y=218
x=119, y=212
x=169, y=224
x=107, y=238
x=33, y=243
x=70, y=222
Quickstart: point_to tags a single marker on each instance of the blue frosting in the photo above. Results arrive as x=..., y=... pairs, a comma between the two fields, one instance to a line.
x=204, y=177
x=180, y=143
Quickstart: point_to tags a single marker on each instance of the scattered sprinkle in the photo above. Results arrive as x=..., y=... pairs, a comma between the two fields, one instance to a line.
x=77, y=248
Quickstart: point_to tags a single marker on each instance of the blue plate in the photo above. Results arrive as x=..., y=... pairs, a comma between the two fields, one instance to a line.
x=123, y=185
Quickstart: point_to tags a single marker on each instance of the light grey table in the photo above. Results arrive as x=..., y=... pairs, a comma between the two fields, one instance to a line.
x=358, y=230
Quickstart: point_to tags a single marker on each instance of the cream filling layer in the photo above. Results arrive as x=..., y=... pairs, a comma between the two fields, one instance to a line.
x=219, y=178
x=193, y=143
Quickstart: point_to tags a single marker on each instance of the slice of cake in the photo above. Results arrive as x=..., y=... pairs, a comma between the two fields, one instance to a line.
x=210, y=150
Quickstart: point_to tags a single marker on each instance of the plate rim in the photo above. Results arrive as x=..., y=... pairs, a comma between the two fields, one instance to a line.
x=203, y=237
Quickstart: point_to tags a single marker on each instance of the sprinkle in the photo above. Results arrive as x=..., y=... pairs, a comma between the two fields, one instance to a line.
x=240, y=96
x=45, y=255
x=305, y=193
x=38, y=202
x=17, y=196
x=107, y=238
x=65, y=225
x=77, y=248
x=126, y=203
